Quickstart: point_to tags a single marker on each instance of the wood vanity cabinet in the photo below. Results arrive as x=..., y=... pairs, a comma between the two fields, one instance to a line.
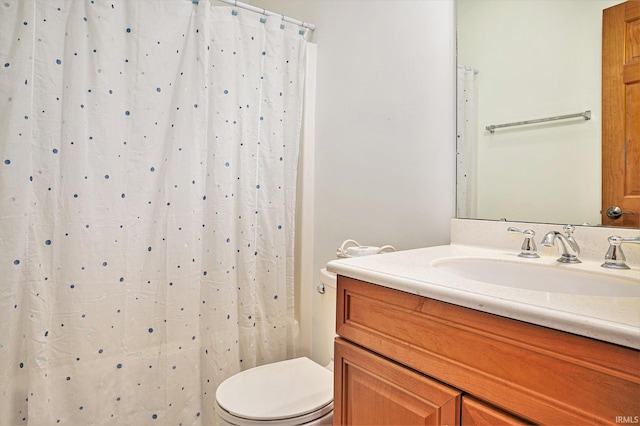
x=383, y=392
x=406, y=359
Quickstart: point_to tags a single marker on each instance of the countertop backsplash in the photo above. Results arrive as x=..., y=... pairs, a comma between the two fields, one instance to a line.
x=591, y=239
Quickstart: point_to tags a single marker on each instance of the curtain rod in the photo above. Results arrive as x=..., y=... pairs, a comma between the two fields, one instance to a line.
x=266, y=12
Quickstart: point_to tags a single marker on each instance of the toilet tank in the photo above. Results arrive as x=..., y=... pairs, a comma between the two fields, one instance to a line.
x=324, y=319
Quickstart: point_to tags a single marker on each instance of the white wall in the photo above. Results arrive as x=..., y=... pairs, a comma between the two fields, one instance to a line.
x=385, y=124
x=536, y=59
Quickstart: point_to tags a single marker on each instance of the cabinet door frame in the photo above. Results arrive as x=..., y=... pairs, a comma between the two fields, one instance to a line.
x=370, y=389
x=476, y=413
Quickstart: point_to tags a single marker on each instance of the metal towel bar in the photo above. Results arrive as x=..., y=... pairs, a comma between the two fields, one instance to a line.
x=586, y=115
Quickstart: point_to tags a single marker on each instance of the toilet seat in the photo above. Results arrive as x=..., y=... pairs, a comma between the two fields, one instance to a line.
x=290, y=392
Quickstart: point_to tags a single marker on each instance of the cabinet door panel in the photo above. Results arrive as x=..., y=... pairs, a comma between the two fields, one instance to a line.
x=371, y=390
x=477, y=413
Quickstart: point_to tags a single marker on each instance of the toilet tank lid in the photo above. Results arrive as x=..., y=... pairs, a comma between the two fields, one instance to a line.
x=279, y=390
x=328, y=278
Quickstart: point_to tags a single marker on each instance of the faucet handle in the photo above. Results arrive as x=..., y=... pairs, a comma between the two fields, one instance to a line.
x=569, y=230
x=528, y=248
x=614, y=258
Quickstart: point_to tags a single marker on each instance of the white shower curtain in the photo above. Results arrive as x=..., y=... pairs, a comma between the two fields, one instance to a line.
x=466, y=143
x=148, y=160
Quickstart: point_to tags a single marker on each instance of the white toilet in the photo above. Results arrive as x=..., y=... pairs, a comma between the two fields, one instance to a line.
x=292, y=392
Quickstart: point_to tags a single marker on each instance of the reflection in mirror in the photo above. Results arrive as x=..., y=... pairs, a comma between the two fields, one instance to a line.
x=523, y=60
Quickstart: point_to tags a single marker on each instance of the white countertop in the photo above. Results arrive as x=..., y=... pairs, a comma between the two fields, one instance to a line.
x=611, y=319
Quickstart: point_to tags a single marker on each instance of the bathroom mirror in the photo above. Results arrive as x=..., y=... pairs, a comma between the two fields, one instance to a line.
x=524, y=60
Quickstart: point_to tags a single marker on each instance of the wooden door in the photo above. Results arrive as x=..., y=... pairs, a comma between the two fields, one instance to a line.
x=371, y=390
x=621, y=113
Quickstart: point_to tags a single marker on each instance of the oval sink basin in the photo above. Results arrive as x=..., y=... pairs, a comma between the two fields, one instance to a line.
x=550, y=279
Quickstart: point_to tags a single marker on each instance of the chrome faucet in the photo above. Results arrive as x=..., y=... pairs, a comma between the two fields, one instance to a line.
x=567, y=245
x=614, y=258
x=528, y=249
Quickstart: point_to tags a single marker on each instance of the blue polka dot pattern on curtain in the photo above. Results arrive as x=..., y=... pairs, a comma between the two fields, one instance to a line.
x=148, y=161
